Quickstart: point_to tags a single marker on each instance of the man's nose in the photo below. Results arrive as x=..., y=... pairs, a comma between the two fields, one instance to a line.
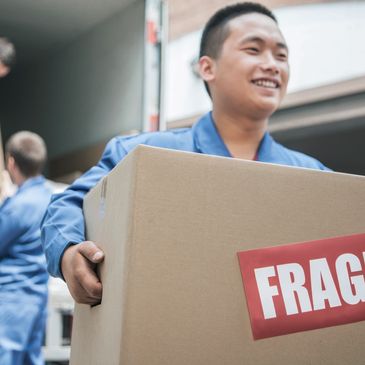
x=269, y=63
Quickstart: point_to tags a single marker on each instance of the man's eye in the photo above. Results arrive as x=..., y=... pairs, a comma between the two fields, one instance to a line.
x=252, y=49
x=283, y=56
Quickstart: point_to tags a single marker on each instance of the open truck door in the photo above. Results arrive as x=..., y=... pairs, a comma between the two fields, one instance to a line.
x=155, y=51
x=86, y=71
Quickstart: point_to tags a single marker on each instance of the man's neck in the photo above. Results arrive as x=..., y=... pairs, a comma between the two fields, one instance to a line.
x=20, y=180
x=241, y=135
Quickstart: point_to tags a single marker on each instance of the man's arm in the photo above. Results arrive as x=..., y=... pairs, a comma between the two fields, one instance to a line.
x=63, y=231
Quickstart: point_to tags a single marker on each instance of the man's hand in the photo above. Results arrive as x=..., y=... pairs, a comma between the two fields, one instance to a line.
x=78, y=265
x=7, y=188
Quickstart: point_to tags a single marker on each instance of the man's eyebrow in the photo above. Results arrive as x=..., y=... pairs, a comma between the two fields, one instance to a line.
x=282, y=45
x=261, y=40
x=251, y=39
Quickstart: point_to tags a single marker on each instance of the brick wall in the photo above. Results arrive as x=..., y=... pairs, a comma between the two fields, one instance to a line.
x=188, y=15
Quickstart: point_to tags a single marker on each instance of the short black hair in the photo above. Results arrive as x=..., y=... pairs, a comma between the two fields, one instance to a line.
x=7, y=52
x=216, y=31
x=29, y=152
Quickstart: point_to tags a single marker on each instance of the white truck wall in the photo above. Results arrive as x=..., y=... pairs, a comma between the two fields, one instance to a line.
x=84, y=92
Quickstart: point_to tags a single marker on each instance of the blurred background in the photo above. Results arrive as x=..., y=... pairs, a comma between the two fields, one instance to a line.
x=88, y=70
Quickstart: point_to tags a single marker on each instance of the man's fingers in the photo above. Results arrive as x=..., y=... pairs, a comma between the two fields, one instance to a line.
x=89, y=281
x=78, y=264
x=81, y=296
x=92, y=252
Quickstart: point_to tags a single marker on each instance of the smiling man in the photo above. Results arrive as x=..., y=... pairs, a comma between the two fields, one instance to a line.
x=244, y=64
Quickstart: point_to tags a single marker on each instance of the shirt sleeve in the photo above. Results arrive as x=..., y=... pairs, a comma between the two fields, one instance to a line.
x=10, y=230
x=319, y=166
x=63, y=222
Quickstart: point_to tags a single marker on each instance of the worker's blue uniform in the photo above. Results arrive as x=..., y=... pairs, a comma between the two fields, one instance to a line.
x=23, y=274
x=64, y=224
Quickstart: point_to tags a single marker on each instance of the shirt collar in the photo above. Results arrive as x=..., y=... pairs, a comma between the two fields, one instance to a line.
x=208, y=140
x=36, y=180
x=265, y=150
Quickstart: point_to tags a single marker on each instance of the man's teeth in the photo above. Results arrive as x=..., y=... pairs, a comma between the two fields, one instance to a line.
x=266, y=83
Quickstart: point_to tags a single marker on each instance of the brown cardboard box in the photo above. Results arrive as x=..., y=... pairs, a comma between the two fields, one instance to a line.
x=171, y=224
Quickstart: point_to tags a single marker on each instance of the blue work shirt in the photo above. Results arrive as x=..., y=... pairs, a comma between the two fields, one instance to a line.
x=64, y=223
x=22, y=260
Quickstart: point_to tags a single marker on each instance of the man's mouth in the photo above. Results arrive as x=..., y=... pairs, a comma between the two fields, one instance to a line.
x=268, y=83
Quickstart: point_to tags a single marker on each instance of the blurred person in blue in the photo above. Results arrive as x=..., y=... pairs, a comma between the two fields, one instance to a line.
x=244, y=65
x=23, y=275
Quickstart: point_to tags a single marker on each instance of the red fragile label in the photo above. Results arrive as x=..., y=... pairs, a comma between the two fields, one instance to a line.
x=304, y=286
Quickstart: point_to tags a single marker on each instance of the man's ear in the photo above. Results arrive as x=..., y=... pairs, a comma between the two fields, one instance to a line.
x=207, y=68
x=10, y=162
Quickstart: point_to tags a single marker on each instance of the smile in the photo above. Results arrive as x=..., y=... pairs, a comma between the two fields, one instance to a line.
x=270, y=84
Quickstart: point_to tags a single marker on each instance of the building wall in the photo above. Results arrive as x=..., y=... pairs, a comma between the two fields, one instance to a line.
x=189, y=15
x=313, y=33
x=325, y=116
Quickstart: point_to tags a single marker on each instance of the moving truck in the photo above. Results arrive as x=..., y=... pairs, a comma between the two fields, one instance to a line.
x=86, y=71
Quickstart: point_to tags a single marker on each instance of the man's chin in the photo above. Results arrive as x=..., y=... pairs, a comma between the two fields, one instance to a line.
x=267, y=106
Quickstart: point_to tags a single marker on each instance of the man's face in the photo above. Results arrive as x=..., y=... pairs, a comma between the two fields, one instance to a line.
x=251, y=72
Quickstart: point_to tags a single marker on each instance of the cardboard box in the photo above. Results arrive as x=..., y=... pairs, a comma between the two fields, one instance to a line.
x=171, y=224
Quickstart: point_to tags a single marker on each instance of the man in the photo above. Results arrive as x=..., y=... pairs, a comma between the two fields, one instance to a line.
x=244, y=64
x=7, y=56
x=23, y=275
